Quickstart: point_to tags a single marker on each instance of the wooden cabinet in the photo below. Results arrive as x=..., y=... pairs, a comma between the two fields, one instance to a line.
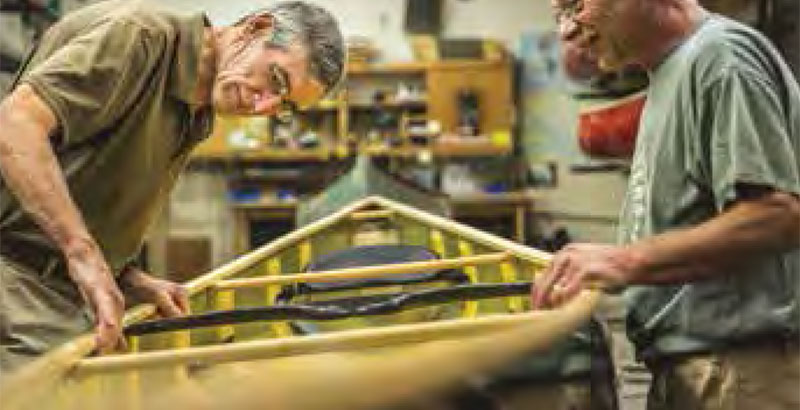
x=490, y=81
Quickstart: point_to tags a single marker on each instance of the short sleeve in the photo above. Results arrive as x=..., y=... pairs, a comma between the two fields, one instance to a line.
x=750, y=141
x=95, y=78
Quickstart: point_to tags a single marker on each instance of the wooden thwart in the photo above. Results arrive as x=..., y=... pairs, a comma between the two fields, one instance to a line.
x=366, y=271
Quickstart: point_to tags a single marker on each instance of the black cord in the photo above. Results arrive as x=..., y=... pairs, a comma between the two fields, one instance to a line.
x=333, y=309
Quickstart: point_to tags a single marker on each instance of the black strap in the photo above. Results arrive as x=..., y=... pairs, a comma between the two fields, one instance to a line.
x=334, y=309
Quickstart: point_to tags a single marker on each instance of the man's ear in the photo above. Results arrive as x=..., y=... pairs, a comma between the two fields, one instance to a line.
x=258, y=23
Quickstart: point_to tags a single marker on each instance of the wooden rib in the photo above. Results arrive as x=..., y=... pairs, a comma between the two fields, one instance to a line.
x=351, y=340
x=508, y=272
x=470, y=306
x=376, y=214
x=224, y=299
x=364, y=272
x=181, y=338
x=304, y=257
x=437, y=243
x=281, y=329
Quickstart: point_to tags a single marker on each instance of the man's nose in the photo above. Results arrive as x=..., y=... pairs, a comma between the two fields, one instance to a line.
x=266, y=104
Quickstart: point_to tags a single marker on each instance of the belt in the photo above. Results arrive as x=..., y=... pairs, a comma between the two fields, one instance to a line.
x=29, y=255
x=786, y=340
x=778, y=341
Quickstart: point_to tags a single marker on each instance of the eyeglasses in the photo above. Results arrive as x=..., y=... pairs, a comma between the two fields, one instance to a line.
x=280, y=86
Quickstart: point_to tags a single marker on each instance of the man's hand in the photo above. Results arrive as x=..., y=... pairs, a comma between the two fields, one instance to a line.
x=169, y=297
x=583, y=265
x=98, y=288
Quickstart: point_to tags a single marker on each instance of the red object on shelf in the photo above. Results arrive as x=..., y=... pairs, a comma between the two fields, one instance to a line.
x=609, y=130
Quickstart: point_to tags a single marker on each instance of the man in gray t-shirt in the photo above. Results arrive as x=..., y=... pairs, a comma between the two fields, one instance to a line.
x=709, y=232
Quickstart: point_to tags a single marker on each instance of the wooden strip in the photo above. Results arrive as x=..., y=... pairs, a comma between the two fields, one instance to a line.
x=225, y=299
x=470, y=306
x=351, y=340
x=364, y=272
x=281, y=329
x=181, y=339
x=508, y=273
x=437, y=243
x=305, y=254
x=377, y=214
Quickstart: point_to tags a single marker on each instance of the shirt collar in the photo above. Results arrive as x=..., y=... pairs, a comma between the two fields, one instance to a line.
x=186, y=66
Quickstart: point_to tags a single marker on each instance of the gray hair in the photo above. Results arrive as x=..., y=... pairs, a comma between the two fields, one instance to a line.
x=315, y=29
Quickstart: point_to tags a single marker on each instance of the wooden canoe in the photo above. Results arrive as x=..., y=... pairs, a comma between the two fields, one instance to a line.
x=264, y=365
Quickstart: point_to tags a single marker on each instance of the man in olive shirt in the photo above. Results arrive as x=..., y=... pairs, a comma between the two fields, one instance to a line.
x=711, y=224
x=99, y=124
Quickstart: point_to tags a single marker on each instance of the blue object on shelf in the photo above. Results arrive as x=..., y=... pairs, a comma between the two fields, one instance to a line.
x=496, y=188
x=285, y=194
x=244, y=195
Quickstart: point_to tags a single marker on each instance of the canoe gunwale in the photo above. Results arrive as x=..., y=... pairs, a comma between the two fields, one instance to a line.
x=347, y=340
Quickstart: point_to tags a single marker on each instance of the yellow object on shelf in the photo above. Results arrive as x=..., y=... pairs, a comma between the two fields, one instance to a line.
x=501, y=138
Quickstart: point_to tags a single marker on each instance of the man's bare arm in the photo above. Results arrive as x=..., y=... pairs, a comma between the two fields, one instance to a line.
x=32, y=172
x=749, y=230
x=768, y=223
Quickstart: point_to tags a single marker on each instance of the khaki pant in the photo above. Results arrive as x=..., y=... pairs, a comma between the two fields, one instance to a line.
x=38, y=311
x=566, y=395
x=766, y=377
